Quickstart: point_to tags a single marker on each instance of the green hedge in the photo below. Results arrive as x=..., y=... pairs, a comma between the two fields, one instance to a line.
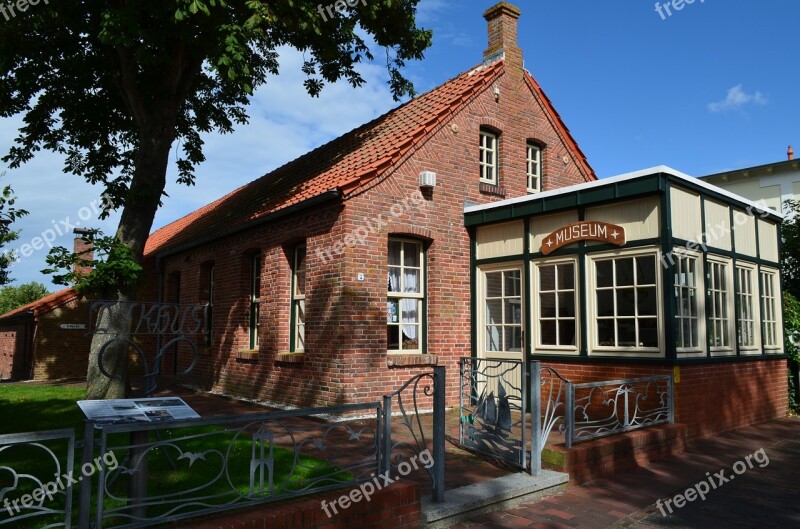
x=792, y=336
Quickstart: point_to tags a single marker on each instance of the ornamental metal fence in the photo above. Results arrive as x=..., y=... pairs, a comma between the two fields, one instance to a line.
x=38, y=468
x=600, y=409
x=509, y=408
x=143, y=474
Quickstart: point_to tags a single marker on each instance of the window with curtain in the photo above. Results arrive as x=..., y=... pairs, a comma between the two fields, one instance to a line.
x=557, y=304
x=488, y=157
x=503, y=298
x=298, y=337
x=255, y=298
x=534, y=168
x=405, y=297
x=770, y=309
x=626, y=306
x=687, y=303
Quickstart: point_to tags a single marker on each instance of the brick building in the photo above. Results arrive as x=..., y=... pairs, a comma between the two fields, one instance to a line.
x=336, y=277
x=294, y=265
x=46, y=339
x=34, y=346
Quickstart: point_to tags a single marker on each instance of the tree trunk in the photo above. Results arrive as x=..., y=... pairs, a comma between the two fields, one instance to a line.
x=141, y=204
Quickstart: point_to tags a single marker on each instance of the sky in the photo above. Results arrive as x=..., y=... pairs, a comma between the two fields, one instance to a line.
x=704, y=89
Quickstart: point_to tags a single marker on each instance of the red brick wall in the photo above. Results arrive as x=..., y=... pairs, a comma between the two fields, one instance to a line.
x=395, y=507
x=13, y=347
x=59, y=353
x=346, y=358
x=710, y=398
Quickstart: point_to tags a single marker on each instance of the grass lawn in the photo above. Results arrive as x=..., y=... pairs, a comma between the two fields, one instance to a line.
x=34, y=408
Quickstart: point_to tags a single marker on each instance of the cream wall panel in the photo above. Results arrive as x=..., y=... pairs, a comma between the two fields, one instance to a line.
x=500, y=240
x=687, y=222
x=718, y=225
x=796, y=191
x=744, y=232
x=543, y=226
x=640, y=218
x=768, y=240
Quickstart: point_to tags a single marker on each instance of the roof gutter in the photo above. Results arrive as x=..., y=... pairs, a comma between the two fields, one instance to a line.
x=322, y=198
x=18, y=317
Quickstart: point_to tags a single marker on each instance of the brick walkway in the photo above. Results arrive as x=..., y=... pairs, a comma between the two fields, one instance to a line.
x=760, y=497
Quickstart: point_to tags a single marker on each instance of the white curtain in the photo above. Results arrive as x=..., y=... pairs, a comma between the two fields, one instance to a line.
x=409, y=307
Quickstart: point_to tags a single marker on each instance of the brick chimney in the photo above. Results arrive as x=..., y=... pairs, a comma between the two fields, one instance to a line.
x=502, y=19
x=790, y=153
x=84, y=250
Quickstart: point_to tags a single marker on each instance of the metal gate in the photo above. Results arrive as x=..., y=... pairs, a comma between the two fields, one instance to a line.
x=493, y=407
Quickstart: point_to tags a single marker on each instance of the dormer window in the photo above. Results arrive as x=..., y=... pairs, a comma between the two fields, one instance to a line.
x=488, y=157
x=534, y=168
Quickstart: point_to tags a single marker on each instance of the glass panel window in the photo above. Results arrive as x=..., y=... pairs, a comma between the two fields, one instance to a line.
x=405, y=296
x=298, y=337
x=626, y=294
x=488, y=157
x=745, y=301
x=769, y=309
x=557, y=305
x=719, y=332
x=534, y=168
x=503, y=307
x=687, y=304
x=255, y=298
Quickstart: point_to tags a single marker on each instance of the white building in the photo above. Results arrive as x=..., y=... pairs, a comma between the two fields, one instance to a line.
x=773, y=183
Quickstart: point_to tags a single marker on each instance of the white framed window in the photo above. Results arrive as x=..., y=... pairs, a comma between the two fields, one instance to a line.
x=747, y=307
x=489, y=150
x=298, y=324
x=720, y=305
x=626, y=314
x=501, y=312
x=772, y=326
x=556, y=305
x=255, y=298
x=405, y=296
x=534, y=167
x=689, y=306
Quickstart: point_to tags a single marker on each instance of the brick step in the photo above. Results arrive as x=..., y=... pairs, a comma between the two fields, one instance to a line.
x=602, y=458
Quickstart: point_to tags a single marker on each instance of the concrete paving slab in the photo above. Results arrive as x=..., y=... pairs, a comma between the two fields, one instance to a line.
x=500, y=493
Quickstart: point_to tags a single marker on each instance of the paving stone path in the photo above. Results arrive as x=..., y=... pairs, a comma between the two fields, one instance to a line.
x=767, y=497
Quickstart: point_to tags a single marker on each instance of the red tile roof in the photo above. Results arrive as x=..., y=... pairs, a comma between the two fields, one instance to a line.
x=343, y=164
x=45, y=304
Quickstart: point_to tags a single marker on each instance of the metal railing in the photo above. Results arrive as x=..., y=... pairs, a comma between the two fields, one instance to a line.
x=599, y=409
x=196, y=467
x=494, y=403
x=431, y=386
x=37, y=495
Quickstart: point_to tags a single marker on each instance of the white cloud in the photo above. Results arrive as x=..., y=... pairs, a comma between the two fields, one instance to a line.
x=736, y=99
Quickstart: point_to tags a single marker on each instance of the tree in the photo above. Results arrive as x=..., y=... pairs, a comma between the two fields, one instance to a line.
x=12, y=297
x=113, y=85
x=8, y=214
x=791, y=308
x=790, y=249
